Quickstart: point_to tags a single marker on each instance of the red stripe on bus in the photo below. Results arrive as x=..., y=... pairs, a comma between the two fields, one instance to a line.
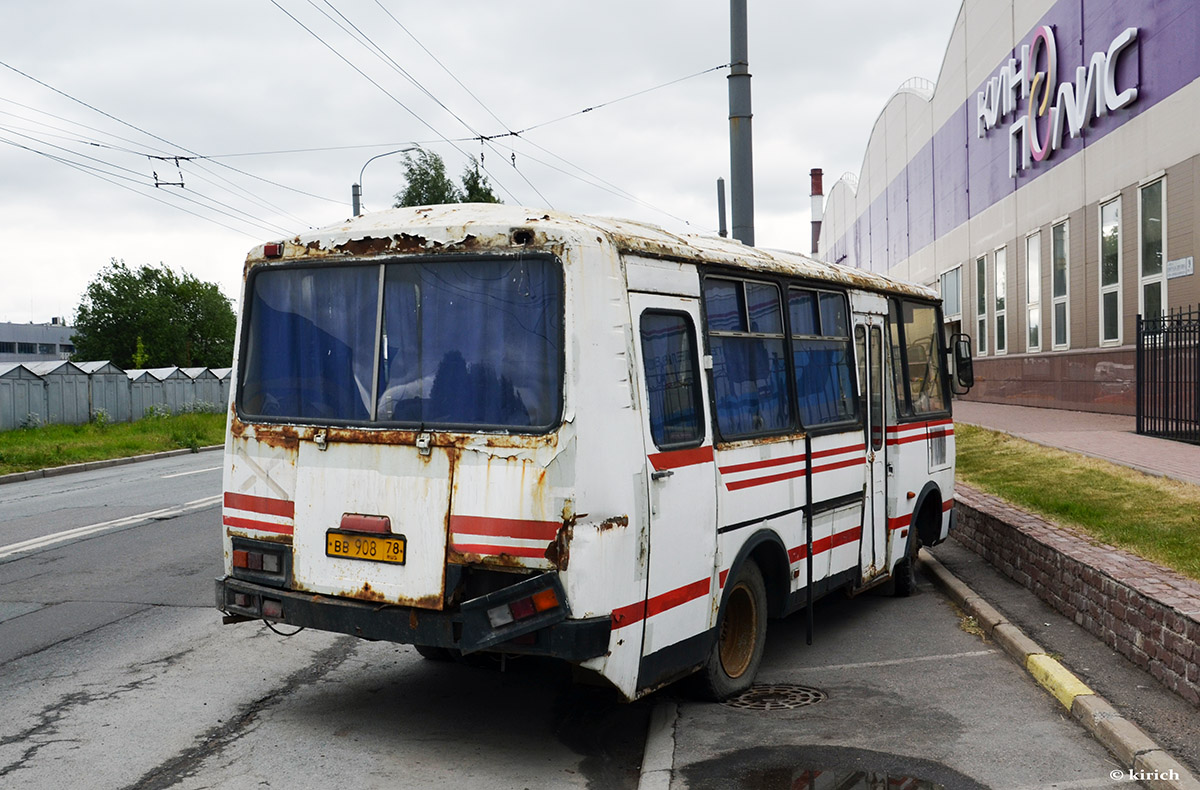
x=519, y=528
x=916, y=437
x=723, y=577
x=495, y=551
x=790, y=459
x=752, y=465
x=900, y=522
x=913, y=426
x=947, y=505
x=826, y=544
x=673, y=459
x=761, y=481
x=628, y=615
x=261, y=504
x=261, y=526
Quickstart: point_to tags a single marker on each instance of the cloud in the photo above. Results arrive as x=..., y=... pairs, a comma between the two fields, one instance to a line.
x=226, y=77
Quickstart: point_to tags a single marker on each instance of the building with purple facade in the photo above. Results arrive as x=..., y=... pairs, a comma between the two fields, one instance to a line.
x=1048, y=183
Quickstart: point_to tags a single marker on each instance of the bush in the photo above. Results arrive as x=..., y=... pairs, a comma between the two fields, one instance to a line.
x=157, y=411
x=200, y=407
x=32, y=420
x=101, y=418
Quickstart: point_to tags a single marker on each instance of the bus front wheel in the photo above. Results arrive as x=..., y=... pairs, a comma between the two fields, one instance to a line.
x=741, y=633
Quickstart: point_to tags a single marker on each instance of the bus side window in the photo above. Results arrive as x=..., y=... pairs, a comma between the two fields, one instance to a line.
x=822, y=357
x=746, y=337
x=672, y=386
x=919, y=360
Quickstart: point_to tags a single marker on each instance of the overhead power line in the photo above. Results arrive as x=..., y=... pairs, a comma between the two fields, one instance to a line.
x=155, y=136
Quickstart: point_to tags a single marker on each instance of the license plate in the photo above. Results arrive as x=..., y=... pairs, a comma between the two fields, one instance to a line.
x=373, y=548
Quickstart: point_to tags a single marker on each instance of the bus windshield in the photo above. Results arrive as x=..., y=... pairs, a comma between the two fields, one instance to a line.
x=473, y=343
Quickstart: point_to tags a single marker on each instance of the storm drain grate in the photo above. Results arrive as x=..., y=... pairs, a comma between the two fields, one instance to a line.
x=781, y=696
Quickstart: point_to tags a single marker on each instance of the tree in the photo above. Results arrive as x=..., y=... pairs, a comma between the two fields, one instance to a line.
x=428, y=185
x=475, y=186
x=153, y=317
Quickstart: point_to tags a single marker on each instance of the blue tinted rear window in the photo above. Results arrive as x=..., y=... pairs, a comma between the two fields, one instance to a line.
x=463, y=344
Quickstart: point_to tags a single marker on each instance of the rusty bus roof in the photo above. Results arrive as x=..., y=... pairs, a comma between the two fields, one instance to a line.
x=476, y=227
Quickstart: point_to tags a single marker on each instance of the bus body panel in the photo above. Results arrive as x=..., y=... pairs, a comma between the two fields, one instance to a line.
x=410, y=490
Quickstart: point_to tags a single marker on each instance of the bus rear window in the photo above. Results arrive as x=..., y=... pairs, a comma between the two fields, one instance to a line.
x=471, y=344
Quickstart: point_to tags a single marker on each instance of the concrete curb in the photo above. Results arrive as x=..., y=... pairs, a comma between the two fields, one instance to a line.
x=88, y=466
x=658, y=758
x=1142, y=758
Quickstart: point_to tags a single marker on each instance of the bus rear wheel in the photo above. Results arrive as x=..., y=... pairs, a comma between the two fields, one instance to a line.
x=741, y=634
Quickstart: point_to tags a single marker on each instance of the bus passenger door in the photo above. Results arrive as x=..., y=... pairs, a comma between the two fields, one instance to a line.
x=868, y=343
x=680, y=476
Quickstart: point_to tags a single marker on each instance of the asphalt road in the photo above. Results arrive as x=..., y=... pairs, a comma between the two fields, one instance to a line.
x=115, y=672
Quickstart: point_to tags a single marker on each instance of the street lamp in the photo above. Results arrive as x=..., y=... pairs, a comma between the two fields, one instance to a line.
x=356, y=188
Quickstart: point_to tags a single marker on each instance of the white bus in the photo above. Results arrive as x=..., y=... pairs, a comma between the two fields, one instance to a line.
x=484, y=428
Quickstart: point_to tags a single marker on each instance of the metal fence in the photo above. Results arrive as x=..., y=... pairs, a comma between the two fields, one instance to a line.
x=73, y=393
x=1168, y=376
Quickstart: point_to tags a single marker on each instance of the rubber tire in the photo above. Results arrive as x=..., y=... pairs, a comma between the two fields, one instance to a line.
x=745, y=598
x=904, y=575
x=434, y=653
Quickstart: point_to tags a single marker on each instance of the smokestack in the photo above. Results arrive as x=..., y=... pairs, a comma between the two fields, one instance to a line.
x=818, y=195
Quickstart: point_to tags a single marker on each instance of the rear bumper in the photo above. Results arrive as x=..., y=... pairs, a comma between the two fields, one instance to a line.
x=460, y=629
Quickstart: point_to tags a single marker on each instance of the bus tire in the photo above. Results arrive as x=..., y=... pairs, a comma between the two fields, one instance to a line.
x=904, y=575
x=741, y=634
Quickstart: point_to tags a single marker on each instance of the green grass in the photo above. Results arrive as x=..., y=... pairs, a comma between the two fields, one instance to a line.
x=1156, y=518
x=57, y=445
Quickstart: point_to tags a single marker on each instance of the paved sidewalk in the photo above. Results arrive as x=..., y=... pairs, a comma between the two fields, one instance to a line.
x=1107, y=436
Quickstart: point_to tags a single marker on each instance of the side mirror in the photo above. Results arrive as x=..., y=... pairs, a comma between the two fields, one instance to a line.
x=964, y=370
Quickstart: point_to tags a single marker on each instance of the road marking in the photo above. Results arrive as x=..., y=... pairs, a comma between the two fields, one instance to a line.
x=193, y=472
x=33, y=544
x=1074, y=784
x=897, y=661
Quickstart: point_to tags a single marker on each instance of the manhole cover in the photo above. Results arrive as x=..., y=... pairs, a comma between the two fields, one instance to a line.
x=782, y=696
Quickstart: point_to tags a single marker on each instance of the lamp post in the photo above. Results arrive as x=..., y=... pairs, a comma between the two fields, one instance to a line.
x=356, y=188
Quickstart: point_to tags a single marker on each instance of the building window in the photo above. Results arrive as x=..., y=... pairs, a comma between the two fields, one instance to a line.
x=1152, y=298
x=1033, y=292
x=8, y=348
x=951, y=285
x=26, y=348
x=981, y=281
x=1059, y=239
x=1001, y=291
x=46, y=348
x=1110, y=273
x=66, y=348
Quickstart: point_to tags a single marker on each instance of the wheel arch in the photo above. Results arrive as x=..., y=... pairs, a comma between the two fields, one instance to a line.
x=927, y=515
x=766, y=548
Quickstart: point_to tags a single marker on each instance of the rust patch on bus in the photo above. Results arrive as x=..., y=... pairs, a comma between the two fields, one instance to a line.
x=367, y=593
x=492, y=560
x=270, y=537
x=559, y=550
x=610, y=523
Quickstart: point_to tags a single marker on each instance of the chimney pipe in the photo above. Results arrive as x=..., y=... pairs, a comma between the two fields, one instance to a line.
x=818, y=194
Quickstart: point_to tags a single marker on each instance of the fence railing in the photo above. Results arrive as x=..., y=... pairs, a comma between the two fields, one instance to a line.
x=1168, y=375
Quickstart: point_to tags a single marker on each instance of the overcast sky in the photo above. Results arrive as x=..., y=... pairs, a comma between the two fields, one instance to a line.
x=242, y=82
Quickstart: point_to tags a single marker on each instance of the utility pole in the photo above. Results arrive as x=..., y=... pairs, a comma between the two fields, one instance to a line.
x=741, y=150
x=722, y=230
x=818, y=201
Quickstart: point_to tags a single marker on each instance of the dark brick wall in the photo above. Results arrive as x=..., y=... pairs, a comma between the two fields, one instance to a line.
x=1145, y=612
x=1093, y=380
